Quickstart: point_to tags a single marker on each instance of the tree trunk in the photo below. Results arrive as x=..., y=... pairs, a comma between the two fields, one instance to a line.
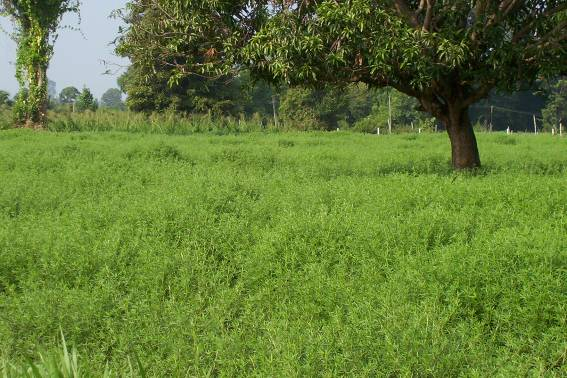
x=463, y=141
x=38, y=98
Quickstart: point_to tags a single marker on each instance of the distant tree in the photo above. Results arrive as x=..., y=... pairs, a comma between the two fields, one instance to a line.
x=5, y=98
x=391, y=105
x=556, y=109
x=514, y=110
x=446, y=54
x=36, y=24
x=324, y=108
x=297, y=109
x=69, y=95
x=112, y=99
x=86, y=101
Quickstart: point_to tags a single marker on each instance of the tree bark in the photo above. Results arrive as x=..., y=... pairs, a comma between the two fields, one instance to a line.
x=464, y=148
x=37, y=116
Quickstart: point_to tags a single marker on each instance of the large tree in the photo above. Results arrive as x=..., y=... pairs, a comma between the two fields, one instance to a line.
x=112, y=99
x=36, y=24
x=4, y=98
x=448, y=54
x=69, y=95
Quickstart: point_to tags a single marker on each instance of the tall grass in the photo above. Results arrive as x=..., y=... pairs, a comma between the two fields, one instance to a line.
x=315, y=254
x=5, y=118
x=158, y=123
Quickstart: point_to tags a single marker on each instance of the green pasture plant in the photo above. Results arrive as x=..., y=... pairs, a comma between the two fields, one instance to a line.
x=281, y=254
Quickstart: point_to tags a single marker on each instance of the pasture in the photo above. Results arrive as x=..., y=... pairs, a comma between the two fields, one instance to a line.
x=314, y=254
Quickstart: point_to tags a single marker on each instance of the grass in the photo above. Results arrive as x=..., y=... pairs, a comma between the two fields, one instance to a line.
x=281, y=255
x=164, y=123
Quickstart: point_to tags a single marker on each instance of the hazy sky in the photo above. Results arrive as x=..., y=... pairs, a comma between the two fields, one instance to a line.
x=77, y=59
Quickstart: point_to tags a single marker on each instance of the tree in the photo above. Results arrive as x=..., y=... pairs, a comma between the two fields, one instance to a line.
x=5, y=98
x=556, y=109
x=86, y=101
x=325, y=108
x=446, y=54
x=69, y=95
x=391, y=105
x=112, y=99
x=36, y=23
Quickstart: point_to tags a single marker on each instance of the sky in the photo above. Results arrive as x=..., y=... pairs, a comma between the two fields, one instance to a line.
x=78, y=53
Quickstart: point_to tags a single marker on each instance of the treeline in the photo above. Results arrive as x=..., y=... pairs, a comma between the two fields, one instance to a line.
x=355, y=106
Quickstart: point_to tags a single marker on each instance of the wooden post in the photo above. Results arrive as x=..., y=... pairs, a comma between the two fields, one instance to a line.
x=535, y=125
x=508, y=130
x=560, y=128
x=389, y=113
x=411, y=125
x=378, y=131
x=276, y=122
x=491, y=113
x=419, y=131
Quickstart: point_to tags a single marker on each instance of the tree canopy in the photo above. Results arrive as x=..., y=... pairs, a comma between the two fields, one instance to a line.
x=112, y=99
x=69, y=95
x=86, y=101
x=447, y=54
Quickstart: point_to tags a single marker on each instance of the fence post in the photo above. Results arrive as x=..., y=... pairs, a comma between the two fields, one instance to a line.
x=389, y=113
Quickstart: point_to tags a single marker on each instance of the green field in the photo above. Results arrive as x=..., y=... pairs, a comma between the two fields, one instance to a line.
x=283, y=255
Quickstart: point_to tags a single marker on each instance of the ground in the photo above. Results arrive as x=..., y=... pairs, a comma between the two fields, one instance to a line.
x=284, y=254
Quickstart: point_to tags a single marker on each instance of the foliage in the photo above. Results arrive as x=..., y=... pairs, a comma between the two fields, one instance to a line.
x=387, y=104
x=62, y=364
x=301, y=107
x=86, y=101
x=158, y=87
x=556, y=109
x=112, y=99
x=36, y=23
x=513, y=110
x=69, y=95
x=150, y=92
x=168, y=122
x=447, y=54
x=312, y=254
x=5, y=98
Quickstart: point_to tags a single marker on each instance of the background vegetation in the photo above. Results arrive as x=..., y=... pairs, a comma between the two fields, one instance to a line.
x=353, y=107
